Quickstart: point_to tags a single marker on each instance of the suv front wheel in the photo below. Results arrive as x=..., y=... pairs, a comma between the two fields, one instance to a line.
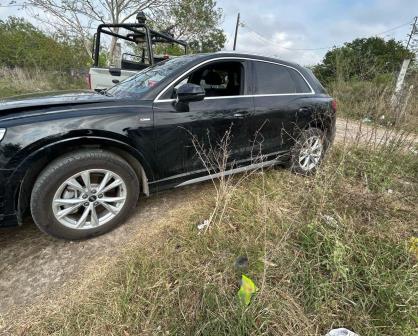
x=84, y=194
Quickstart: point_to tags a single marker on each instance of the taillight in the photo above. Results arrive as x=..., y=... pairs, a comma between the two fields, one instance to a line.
x=334, y=105
x=88, y=81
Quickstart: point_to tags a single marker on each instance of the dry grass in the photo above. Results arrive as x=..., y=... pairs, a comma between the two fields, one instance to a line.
x=371, y=101
x=325, y=251
x=19, y=81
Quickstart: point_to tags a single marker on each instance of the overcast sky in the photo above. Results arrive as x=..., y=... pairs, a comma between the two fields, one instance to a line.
x=277, y=28
x=311, y=24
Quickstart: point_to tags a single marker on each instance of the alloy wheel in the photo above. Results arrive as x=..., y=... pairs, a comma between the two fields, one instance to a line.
x=311, y=153
x=89, y=199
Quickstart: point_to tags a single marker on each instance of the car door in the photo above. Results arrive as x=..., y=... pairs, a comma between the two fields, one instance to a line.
x=188, y=140
x=282, y=103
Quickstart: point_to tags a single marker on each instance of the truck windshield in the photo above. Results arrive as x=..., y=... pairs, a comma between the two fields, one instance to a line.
x=146, y=79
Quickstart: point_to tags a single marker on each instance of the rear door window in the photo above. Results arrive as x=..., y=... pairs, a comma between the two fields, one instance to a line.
x=277, y=79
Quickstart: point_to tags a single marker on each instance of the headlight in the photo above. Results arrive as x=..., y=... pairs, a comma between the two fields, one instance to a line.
x=2, y=133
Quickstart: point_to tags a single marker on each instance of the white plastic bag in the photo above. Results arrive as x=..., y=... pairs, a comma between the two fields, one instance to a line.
x=341, y=332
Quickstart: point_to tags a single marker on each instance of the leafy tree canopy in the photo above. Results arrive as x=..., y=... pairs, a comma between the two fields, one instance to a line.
x=23, y=45
x=195, y=21
x=211, y=42
x=363, y=59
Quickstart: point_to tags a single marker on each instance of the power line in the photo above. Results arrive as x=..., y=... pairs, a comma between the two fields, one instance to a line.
x=280, y=46
x=395, y=28
x=245, y=25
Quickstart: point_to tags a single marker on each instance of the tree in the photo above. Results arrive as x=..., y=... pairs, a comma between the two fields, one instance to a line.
x=23, y=45
x=211, y=42
x=188, y=19
x=78, y=18
x=362, y=59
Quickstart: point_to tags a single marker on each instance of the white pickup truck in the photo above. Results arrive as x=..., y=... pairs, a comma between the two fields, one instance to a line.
x=101, y=78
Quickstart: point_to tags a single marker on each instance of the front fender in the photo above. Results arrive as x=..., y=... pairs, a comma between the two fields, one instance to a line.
x=29, y=168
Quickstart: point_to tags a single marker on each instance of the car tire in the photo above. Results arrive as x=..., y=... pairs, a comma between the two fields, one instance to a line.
x=308, y=151
x=71, y=198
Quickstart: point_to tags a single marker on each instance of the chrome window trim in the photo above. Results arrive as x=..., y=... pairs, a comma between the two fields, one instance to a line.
x=158, y=100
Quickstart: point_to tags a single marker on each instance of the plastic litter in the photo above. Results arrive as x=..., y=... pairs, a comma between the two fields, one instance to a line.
x=247, y=290
x=330, y=220
x=204, y=225
x=341, y=332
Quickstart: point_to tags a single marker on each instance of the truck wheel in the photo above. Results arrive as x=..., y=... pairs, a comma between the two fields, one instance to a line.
x=84, y=194
x=308, y=151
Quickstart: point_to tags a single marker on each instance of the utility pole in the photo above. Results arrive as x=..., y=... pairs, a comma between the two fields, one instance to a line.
x=397, y=94
x=236, y=31
x=413, y=31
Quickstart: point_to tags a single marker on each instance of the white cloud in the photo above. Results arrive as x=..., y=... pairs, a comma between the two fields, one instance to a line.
x=313, y=24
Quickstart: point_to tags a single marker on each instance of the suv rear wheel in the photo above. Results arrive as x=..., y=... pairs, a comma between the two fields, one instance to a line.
x=308, y=151
x=84, y=194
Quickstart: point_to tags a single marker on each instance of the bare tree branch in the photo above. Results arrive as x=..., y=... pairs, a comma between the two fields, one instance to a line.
x=80, y=17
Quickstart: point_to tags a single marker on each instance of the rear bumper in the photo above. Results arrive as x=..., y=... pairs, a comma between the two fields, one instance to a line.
x=333, y=129
x=8, y=216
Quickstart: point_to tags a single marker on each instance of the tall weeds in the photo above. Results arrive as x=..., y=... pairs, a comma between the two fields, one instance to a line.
x=20, y=81
x=371, y=102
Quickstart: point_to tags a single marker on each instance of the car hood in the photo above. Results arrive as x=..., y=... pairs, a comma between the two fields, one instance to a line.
x=45, y=100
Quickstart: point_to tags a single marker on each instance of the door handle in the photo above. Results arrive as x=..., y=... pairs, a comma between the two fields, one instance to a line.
x=305, y=110
x=115, y=81
x=241, y=115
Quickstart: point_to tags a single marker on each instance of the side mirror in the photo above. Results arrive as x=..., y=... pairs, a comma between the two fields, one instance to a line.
x=190, y=93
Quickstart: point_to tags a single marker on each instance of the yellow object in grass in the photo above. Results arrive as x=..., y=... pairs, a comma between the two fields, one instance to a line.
x=413, y=246
x=247, y=290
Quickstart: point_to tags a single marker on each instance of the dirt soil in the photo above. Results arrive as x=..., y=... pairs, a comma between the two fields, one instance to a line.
x=34, y=265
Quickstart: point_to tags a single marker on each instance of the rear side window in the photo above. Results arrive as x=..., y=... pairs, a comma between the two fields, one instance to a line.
x=277, y=79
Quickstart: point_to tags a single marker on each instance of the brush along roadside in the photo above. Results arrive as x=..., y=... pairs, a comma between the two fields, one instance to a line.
x=19, y=81
x=328, y=251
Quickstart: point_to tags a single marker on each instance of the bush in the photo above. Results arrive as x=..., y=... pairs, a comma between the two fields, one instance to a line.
x=24, y=46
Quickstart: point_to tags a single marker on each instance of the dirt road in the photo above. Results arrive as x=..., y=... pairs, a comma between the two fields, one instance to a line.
x=33, y=264
x=350, y=131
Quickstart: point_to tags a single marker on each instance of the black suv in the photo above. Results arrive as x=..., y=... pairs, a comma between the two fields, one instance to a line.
x=79, y=161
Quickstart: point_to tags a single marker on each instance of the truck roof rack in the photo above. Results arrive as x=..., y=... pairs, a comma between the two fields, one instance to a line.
x=138, y=33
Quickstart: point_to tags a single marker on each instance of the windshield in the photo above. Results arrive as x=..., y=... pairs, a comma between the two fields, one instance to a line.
x=146, y=79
